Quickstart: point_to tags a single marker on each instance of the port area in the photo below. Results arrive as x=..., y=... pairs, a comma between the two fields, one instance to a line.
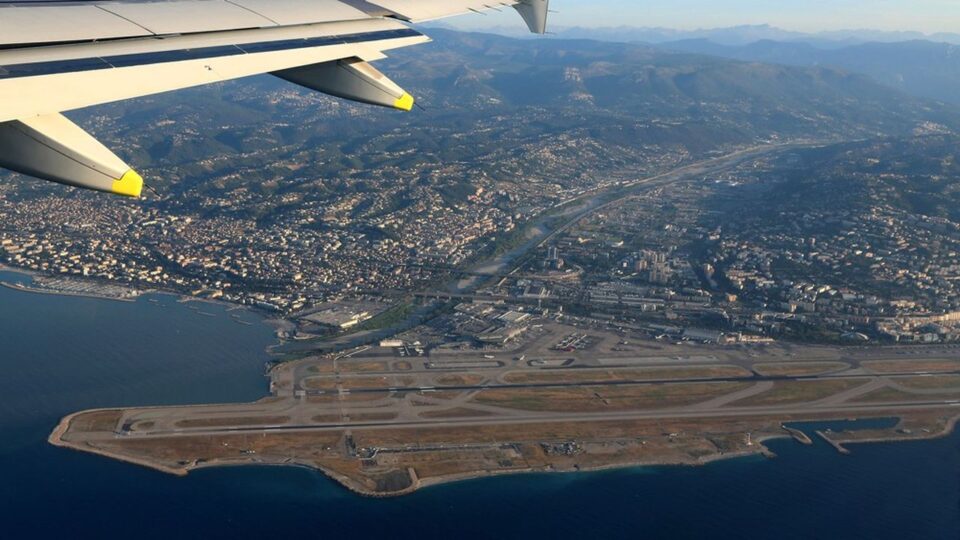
x=66, y=286
x=388, y=420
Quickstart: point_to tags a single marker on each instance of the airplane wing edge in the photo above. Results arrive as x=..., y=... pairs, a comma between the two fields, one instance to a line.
x=109, y=51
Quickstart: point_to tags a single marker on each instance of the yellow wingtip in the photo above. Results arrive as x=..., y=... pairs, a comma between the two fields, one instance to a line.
x=129, y=185
x=405, y=102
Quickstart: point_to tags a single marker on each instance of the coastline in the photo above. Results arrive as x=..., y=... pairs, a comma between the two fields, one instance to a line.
x=417, y=483
x=270, y=320
x=948, y=429
x=364, y=487
x=54, y=292
x=56, y=439
x=702, y=462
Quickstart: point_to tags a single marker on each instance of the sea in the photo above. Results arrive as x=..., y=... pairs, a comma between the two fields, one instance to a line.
x=61, y=354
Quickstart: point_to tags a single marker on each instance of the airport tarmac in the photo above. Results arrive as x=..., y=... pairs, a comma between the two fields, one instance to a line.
x=340, y=409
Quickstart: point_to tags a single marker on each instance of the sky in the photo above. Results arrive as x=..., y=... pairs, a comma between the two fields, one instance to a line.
x=928, y=16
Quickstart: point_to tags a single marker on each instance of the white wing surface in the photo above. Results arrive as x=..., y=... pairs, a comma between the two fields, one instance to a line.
x=56, y=57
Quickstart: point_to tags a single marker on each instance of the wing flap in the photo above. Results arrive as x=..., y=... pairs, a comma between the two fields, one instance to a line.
x=189, y=16
x=427, y=10
x=291, y=12
x=64, y=22
x=534, y=12
x=44, y=24
x=93, y=21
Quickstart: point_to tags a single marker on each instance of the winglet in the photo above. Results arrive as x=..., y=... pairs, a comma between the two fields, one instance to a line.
x=534, y=12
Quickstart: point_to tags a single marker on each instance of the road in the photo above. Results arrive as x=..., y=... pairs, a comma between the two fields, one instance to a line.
x=508, y=264
x=590, y=203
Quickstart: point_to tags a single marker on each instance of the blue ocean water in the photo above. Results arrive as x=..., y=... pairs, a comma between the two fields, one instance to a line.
x=61, y=354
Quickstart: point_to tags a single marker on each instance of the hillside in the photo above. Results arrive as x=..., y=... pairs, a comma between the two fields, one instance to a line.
x=877, y=216
x=924, y=69
x=521, y=112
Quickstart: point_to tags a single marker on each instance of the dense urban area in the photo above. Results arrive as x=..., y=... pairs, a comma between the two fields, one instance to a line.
x=331, y=214
x=579, y=255
x=839, y=257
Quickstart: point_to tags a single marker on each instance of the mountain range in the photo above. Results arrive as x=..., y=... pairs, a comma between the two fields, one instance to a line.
x=922, y=68
x=923, y=65
x=614, y=94
x=733, y=35
x=563, y=111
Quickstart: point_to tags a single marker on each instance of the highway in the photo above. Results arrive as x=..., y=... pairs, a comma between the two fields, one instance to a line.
x=588, y=203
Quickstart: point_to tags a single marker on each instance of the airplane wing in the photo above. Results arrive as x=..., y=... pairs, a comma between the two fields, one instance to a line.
x=58, y=56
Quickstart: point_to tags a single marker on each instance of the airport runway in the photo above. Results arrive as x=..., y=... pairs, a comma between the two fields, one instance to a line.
x=645, y=382
x=845, y=409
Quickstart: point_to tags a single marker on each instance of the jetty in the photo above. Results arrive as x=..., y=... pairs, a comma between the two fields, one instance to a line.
x=839, y=447
x=798, y=435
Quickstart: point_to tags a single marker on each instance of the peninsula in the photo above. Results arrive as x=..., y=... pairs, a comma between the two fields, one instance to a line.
x=388, y=420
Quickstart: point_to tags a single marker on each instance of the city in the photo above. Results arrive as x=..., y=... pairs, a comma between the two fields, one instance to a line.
x=340, y=267
x=679, y=258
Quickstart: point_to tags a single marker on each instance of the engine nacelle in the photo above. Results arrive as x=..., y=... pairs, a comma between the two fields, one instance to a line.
x=53, y=148
x=352, y=79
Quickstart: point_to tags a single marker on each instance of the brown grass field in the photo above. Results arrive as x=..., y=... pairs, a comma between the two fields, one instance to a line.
x=96, y=421
x=459, y=380
x=365, y=382
x=906, y=366
x=598, y=398
x=945, y=382
x=789, y=392
x=229, y=422
x=459, y=412
x=604, y=375
x=320, y=383
x=361, y=367
x=894, y=395
x=799, y=369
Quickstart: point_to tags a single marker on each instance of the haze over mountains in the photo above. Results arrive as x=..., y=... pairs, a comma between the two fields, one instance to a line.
x=922, y=68
x=645, y=82
x=923, y=65
x=494, y=103
x=733, y=36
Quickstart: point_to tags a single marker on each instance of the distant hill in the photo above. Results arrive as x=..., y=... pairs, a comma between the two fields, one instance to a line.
x=630, y=78
x=916, y=176
x=561, y=111
x=922, y=68
x=733, y=35
x=644, y=83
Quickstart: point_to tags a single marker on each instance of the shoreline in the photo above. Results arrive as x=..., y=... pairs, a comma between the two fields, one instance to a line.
x=354, y=487
x=948, y=429
x=32, y=274
x=55, y=292
x=269, y=319
x=56, y=439
x=760, y=449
